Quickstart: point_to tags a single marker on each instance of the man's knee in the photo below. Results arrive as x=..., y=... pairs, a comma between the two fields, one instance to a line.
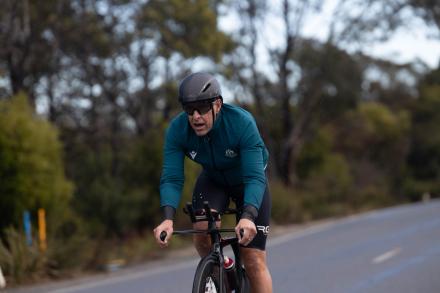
x=202, y=242
x=254, y=260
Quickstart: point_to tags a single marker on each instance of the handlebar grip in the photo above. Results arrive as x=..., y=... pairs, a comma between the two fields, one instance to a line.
x=241, y=233
x=163, y=235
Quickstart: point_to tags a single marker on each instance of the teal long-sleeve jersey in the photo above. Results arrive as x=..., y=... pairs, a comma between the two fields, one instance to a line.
x=232, y=153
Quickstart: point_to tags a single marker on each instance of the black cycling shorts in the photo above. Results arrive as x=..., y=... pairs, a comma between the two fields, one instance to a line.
x=219, y=197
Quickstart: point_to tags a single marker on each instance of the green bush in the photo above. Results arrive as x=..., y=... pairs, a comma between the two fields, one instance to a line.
x=31, y=166
x=18, y=260
x=69, y=247
x=286, y=204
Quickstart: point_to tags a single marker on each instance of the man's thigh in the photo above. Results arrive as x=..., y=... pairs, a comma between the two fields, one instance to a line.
x=262, y=223
x=219, y=196
x=206, y=189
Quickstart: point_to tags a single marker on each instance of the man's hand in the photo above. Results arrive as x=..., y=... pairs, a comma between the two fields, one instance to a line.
x=167, y=226
x=249, y=231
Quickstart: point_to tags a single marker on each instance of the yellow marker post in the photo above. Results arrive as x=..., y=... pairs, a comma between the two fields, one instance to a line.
x=42, y=229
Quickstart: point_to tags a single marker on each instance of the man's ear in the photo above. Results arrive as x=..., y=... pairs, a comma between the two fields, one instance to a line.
x=219, y=103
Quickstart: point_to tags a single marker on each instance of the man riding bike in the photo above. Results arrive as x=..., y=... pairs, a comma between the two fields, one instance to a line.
x=225, y=140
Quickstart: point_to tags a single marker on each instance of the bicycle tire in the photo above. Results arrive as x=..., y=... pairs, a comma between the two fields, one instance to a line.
x=207, y=274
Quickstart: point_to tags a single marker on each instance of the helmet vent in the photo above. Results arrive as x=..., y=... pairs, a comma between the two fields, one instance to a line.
x=206, y=87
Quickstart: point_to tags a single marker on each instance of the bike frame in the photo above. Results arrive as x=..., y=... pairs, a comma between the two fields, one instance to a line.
x=218, y=243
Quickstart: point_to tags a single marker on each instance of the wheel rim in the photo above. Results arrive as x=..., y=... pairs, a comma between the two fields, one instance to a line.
x=210, y=285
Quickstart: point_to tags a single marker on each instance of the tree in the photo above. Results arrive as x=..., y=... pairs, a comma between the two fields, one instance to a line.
x=181, y=30
x=428, y=10
x=424, y=156
x=329, y=85
x=22, y=39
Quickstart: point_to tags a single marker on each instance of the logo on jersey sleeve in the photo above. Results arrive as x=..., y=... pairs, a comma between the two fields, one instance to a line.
x=230, y=153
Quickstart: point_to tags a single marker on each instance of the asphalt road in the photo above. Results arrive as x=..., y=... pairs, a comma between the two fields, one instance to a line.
x=391, y=250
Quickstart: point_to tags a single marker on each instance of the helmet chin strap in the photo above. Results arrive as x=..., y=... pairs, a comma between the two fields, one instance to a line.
x=214, y=116
x=213, y=113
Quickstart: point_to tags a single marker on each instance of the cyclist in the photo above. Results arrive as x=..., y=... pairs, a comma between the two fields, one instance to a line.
x=224, y=139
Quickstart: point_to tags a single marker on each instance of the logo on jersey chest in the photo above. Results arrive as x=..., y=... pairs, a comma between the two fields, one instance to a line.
x=193, y=154
x=230, y=153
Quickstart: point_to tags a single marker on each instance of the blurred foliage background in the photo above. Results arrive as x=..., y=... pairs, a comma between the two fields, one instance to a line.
x=87, y=88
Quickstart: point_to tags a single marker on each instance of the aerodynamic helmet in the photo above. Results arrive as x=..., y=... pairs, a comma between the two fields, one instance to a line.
x=197, y=87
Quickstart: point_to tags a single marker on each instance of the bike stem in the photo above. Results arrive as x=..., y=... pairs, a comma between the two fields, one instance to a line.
x=217, y=249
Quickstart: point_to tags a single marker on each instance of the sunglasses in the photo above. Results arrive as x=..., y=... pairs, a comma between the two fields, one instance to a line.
x=201, y=107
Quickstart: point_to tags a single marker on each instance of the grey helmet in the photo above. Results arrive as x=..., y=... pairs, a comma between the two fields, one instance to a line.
x=199, y=86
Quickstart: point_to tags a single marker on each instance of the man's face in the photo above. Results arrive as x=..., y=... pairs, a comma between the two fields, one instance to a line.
x=200, y=115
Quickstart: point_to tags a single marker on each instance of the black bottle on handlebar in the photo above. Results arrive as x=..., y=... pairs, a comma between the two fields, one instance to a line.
x=231, y=273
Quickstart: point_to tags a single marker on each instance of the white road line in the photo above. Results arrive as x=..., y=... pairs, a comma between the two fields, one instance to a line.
x=386, y=256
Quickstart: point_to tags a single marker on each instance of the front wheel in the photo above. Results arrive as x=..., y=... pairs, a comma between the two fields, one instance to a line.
x=207, y=277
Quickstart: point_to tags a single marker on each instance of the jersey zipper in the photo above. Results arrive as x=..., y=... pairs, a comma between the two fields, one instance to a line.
x=211, y=148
